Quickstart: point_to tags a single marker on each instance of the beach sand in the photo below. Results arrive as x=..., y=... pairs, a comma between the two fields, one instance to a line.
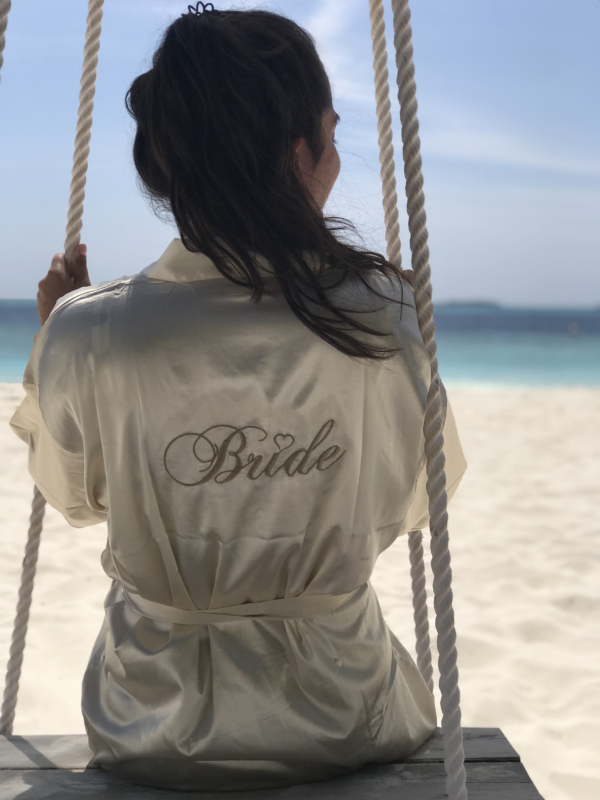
x=525, y=543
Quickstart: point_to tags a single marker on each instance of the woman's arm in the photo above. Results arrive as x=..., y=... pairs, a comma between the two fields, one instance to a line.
x=64, y=460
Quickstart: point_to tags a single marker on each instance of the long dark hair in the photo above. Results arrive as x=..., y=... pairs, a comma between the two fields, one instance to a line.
x=227, y=95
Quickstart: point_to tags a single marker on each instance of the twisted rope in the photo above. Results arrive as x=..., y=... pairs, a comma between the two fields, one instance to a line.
x=419, y=589
x=4, y=9
x=83, y=133
x=17, y=645
x=384, y=129
x=434, y=440
x=394, y=255
x=80, y=163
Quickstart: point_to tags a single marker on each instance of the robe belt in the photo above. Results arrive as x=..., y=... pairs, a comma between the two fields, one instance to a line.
x=301, y=607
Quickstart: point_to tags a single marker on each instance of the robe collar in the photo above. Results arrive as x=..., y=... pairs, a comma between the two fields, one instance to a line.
x=178, y=265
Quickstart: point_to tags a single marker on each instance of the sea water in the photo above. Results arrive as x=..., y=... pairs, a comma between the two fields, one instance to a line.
x=488, y=344
x=477, y=344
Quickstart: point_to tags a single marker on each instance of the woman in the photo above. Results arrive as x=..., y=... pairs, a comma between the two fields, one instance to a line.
x=253, y=459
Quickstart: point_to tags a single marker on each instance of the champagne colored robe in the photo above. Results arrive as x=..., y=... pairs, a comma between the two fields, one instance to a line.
x=238, y=458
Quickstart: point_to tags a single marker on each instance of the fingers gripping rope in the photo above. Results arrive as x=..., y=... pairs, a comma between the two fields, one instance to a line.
x=434, y=440
x=80, y=164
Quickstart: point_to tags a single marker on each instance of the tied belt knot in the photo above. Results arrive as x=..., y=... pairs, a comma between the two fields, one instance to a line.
x=300, y=607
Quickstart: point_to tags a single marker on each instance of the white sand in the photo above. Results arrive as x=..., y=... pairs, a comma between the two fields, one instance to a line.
x=525, y=537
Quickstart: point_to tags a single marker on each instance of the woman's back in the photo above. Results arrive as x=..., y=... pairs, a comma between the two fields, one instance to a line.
x=253, y=458
x=243, y=460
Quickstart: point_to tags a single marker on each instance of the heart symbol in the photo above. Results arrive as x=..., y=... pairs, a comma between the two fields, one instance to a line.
x=284, y=436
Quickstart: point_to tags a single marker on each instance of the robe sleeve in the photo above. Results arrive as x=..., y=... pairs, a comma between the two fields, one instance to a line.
x=455, y=466
x=65, y=468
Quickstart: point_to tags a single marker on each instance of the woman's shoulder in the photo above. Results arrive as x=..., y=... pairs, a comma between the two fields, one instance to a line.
x=70, y=327
x=399, y=299
x=87, y=298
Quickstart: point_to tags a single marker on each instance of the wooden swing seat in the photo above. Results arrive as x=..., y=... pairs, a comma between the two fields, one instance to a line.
x=58, y=767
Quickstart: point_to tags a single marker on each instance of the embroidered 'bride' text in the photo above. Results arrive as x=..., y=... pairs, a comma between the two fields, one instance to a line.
x=184, y=453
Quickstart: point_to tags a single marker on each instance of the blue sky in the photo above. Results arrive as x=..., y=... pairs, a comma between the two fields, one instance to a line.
x=509, y=107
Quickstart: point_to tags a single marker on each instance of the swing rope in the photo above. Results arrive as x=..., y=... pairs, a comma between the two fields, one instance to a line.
x=420, y=607
x=394, y=255
x=74, y=222
x=436, y=479
x=434, y=439
x=4, y=9
x=384, y=129
x=433, y=425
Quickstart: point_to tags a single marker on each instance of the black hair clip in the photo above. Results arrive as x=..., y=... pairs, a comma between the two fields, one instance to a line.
x=196, y=12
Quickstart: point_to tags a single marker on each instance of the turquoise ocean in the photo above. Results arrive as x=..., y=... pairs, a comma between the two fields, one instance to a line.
x=478, y=343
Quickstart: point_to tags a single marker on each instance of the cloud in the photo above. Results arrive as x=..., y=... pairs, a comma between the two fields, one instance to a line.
x=342, y=36
x=464, y=135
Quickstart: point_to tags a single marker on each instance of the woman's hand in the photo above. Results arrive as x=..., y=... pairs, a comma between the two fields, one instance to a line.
x=408, y=275
x=62, y=279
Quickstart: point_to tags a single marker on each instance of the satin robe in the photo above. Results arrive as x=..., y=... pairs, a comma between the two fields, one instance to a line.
x=238, y=458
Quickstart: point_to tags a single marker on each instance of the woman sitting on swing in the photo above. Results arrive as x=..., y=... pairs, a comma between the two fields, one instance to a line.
x=227, y=411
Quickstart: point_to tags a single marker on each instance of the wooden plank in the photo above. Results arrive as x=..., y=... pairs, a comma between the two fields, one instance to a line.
x=44, y=752
x=493, y=781
x=480, y=744
x=72, y=752
x=39, y=767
